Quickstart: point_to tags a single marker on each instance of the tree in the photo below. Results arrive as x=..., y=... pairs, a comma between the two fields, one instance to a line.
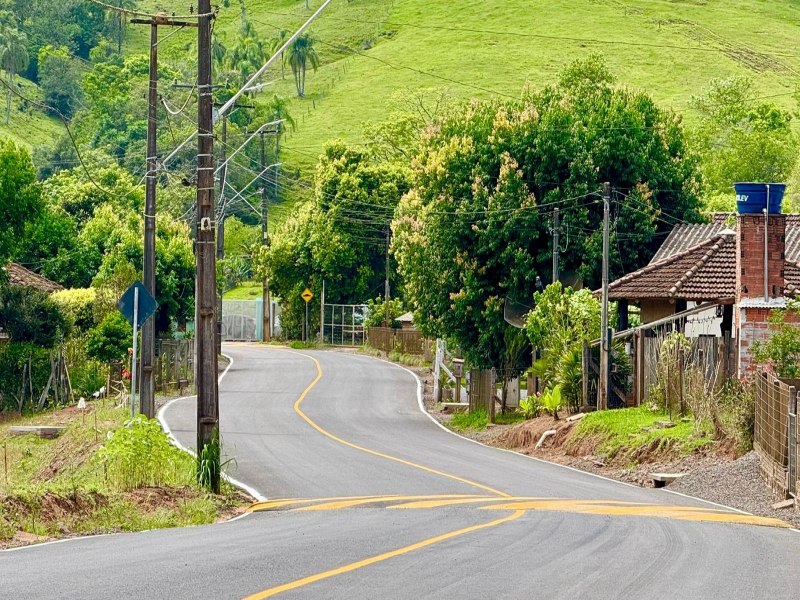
x=109, y=341
x=20, y=199
x=740, y=138
x=475, y=227
x=249, y=52
x=301, y=54
x=59, y=79
x=117, y=20
x=13, y=58
x=339, y=237
x=561, y=321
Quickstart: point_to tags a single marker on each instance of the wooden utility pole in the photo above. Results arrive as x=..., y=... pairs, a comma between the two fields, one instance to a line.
x=555, y=245
x=207, y=388
x=147, y=384
x=266, y=326
x=386, y=290
x=605, y=342
x=221, y=225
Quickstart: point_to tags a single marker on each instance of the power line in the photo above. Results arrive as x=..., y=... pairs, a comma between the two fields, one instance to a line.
x=138, y=13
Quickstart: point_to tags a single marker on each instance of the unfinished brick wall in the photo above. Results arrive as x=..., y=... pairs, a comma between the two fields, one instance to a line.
x=753, y=309
x=750, y=256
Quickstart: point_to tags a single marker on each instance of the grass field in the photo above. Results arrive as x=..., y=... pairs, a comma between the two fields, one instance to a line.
x=372, y=50
x=28, y=125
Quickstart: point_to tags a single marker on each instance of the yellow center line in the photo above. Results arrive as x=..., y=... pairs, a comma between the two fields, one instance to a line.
x=436, y=503
x=283, y=502
x=402, y=461
x=350, y=503
x=379, y=558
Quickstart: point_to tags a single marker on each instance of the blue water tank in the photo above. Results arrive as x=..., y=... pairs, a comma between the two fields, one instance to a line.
x=751, y=198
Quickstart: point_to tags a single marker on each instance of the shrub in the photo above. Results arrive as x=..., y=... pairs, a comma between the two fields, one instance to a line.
x=29, y=315
x=139, y=454
x=110, y=339
x=552, y=401
x=530, y=407
x=13, y=360
x=78, y=307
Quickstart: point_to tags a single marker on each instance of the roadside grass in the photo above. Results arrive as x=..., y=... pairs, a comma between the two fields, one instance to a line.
x=632, y=434
x=510, y=418
x=408, y=360
x=65, y=486
x=475, y=420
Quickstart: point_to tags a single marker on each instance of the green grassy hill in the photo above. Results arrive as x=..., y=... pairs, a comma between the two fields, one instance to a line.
x=481, y=48
x=27, y=125
x=373, y=49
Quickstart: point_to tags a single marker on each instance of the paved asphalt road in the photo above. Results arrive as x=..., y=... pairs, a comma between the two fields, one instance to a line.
x=382, y=503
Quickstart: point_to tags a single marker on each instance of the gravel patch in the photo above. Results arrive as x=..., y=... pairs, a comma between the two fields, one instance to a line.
x=738, y=484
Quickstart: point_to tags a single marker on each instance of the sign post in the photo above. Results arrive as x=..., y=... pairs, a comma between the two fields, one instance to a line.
x=134, y=370
x=136, y=305
x=307, y=295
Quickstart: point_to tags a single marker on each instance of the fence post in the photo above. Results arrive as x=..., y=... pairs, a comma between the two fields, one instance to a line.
x=585, y=368
x=437, y=386
x=792, y=441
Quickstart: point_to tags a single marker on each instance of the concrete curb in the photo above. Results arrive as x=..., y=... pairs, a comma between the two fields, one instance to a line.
x=174, y=441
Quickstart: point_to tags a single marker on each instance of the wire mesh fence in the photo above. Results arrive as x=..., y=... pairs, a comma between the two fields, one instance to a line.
x=343, y=324
x=773, y=398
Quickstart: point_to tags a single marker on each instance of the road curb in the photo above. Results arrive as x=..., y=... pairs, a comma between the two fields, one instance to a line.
x=174, y=441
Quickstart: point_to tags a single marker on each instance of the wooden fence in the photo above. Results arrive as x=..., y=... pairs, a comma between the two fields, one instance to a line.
x=174, y=365
x=401, y=340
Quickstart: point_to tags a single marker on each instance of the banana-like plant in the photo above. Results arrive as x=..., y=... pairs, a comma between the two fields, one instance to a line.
x=552, y=401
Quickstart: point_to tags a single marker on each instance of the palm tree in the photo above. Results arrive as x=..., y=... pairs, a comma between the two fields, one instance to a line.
x=250, y=52
x=301, y=54
x=13, y=58
x=278, y=110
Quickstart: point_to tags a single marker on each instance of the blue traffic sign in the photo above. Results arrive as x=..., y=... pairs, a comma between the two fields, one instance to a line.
x=147, y=304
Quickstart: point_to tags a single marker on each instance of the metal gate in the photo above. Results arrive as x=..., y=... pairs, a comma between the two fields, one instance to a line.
x=242, y=320
x=343, y=324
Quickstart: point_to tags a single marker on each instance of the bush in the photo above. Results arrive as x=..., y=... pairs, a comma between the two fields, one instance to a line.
x=78, y=307
x=29, y=315
x=530, y=407
x=139, y=454
x=110, y=339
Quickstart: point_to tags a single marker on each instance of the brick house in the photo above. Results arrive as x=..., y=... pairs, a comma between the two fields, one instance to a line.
x=721, y=263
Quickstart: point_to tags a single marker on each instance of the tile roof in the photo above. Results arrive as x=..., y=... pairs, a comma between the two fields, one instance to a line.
x=704, y=271
x=19, y=276
x=698, y=262
x=685, y=236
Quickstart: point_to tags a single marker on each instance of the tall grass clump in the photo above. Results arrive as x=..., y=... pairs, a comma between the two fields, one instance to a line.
x=139, y=454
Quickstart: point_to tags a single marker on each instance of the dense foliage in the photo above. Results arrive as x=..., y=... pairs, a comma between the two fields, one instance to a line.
x=475, y=228
x=339, y=237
